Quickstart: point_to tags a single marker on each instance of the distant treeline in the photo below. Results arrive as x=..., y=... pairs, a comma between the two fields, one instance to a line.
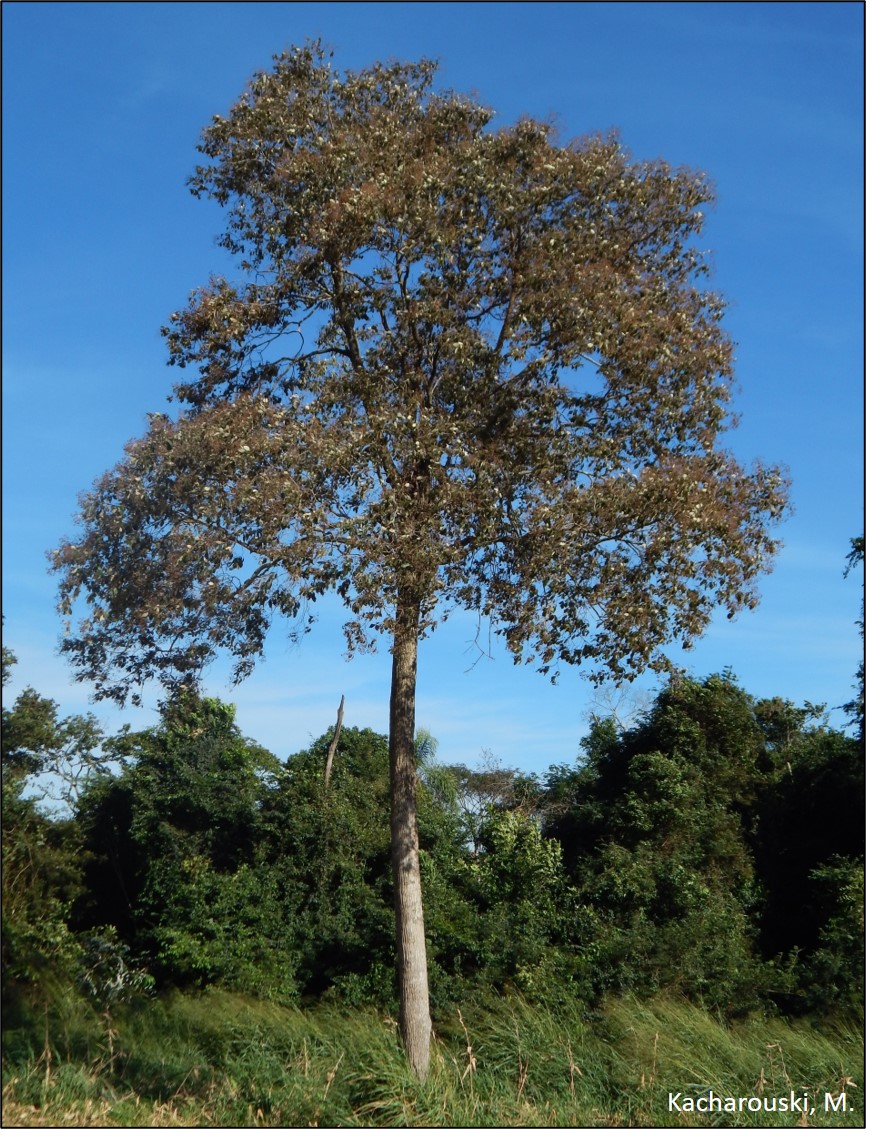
x=714, y=850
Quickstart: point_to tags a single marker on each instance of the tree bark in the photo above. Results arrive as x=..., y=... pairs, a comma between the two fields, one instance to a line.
x=412, y=960
x=328, y=765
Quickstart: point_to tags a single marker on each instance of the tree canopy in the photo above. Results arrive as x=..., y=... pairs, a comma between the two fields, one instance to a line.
x=470, y=366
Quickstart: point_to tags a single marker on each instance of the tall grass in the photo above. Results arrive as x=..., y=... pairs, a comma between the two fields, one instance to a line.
x=225, y=1060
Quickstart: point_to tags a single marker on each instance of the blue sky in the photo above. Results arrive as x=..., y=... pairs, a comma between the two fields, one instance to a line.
x=103, y=105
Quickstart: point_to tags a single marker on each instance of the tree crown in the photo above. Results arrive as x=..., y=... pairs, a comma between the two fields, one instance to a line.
x=463, y=366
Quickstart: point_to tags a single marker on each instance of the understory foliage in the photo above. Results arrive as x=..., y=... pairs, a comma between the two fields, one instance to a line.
x=713, y=851
x=699, y=842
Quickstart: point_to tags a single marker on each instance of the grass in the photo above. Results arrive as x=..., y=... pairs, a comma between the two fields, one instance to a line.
x=220, y=1060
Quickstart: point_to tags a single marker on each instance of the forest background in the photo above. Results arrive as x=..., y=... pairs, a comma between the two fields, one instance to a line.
x=177, y=933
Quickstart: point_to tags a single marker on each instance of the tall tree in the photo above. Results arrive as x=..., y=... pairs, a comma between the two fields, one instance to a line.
x=462, y=367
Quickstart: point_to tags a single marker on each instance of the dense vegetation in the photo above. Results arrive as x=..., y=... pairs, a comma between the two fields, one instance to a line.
x=222, y=1059
x=182, y=907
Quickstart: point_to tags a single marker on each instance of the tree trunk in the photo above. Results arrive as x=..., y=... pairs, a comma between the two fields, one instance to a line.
x=412, y=960
x=328, y=765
